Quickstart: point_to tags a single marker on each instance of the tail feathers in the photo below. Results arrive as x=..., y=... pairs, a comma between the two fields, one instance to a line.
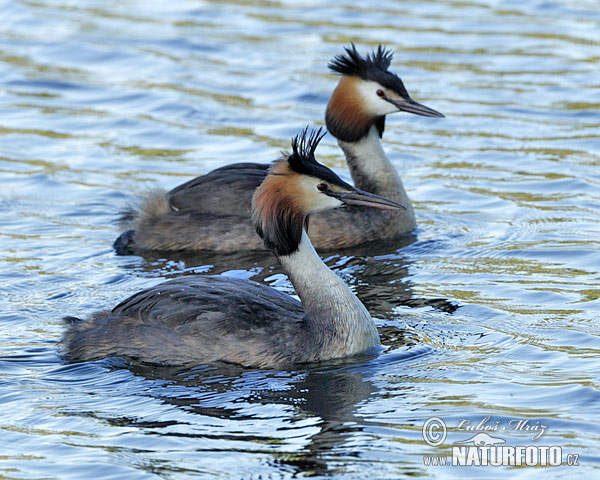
x=140, y=212
x=155, y=203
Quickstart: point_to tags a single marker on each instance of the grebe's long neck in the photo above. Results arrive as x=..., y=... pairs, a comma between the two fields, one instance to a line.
x=333, y=312
x=371, y=170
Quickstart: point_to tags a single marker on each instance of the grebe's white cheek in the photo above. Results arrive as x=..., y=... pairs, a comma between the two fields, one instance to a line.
x=313, y=200
x=373, y=103
x=325, y=202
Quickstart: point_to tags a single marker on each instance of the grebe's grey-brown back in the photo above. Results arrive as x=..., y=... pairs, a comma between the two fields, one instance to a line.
x=214, y=318
x=211, y=212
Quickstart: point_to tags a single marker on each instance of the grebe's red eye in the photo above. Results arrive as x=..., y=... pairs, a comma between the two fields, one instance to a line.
x=380, y=93
x=321, y=187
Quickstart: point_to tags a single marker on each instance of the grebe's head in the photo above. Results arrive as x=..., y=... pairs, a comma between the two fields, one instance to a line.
x=296, y=186
x=366, y=93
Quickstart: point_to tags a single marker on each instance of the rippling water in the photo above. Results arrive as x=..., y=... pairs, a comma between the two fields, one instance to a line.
x=101, y=101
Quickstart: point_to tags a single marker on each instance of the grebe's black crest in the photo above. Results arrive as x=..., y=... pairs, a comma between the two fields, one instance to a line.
x=373, y=67
x=302, y=159
x=352, y=63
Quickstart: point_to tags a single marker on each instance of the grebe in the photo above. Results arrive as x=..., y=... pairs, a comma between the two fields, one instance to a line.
x=197, y=320
x=212, y=212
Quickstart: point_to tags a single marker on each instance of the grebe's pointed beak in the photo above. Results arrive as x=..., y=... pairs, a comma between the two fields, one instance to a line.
x=410, y=106
x=359, y=198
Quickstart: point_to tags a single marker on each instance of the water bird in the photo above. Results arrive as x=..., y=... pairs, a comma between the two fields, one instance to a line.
x=212, y=212
x=205, y=319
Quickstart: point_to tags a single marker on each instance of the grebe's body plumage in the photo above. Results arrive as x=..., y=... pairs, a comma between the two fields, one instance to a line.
x=214, y=318
x=211, y=212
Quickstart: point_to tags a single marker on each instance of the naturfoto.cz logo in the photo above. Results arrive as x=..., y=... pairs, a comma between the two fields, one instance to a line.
x=482, y=448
